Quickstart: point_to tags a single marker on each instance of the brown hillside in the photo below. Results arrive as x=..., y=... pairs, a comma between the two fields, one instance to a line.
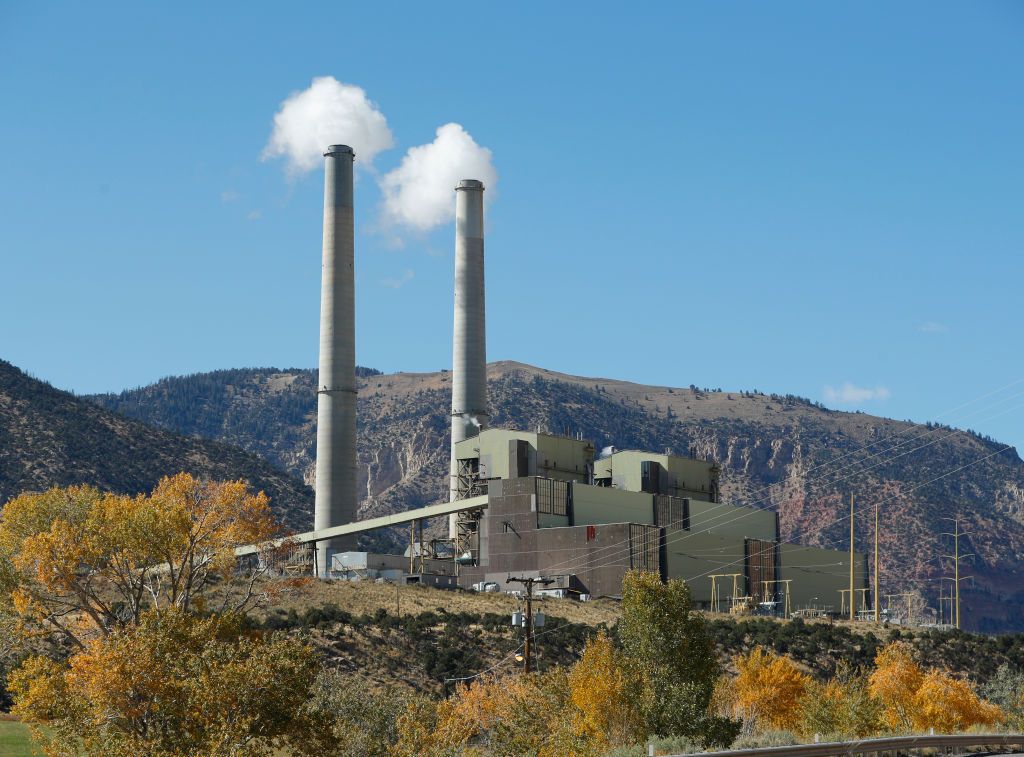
x=52, y=438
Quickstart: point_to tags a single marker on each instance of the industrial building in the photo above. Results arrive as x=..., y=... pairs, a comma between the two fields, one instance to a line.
x=553, y=510
x=532, y=503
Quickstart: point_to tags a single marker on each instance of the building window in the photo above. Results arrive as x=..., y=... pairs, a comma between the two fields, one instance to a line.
x=552, y=496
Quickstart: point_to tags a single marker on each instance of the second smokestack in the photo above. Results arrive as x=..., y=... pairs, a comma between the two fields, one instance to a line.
x=469, y=347
x=336, y=390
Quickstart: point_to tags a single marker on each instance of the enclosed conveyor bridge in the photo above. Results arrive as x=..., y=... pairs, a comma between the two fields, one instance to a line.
x=371, y=524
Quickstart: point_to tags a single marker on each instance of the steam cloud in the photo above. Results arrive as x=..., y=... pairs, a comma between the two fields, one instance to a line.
x=419, y=193
x=328, y=112
x=850, y=394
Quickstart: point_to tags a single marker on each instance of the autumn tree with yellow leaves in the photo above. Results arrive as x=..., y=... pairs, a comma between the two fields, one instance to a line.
x=173, y=685
x=949, y=705
x=657, y=682
x=916, y=700
x=768, y=689
x=602, y=689
x=895, y=683
x=147, y=593
x=770, y=692
x=81, y=563
x=497, y=714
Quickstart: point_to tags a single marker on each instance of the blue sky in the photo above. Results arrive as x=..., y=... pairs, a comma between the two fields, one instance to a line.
x=793, y=197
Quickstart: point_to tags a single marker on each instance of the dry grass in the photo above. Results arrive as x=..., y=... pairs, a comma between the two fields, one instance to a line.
x=366, y=597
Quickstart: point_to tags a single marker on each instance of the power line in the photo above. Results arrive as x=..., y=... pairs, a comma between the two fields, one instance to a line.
x=818, y=530
x=711, y=525
x=910, y=428
x=844, y=517
x=691, y=579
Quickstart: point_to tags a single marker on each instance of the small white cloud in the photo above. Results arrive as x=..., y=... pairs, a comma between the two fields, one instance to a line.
x=850, y=394
x=228, y=195
x=328, y=112
x=933, y=327
x=254, y=215
x=399, y=281
x=420, y=193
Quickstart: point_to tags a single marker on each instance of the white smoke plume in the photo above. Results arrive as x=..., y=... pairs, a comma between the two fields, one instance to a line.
x=851, y=394
x=420, y=193
x=329, y=112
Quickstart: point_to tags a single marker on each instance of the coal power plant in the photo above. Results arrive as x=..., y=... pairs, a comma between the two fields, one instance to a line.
x=534, y=504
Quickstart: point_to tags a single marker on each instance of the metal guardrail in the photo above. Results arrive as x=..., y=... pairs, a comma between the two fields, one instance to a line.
x=876, y=746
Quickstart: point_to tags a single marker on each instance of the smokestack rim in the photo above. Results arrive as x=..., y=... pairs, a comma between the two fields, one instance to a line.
x=470, y=184
x=339, y=150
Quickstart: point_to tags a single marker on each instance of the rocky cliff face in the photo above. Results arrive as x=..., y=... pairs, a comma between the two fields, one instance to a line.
x=776, y=452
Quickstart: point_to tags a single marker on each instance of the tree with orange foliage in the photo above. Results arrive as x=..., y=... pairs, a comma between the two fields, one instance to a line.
x=949, y=705
x=175, y=685
x=895, y=683
x=914, y=700
x=127, y=581
x=524, y=714
x=768, y=689
x=601, y=690
x=83, y=563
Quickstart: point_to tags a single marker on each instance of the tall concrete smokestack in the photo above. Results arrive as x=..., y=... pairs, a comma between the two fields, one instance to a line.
x=336, y=391
x=469, y=368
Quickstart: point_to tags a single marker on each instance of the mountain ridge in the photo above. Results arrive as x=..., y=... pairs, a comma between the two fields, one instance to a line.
x=49, y=437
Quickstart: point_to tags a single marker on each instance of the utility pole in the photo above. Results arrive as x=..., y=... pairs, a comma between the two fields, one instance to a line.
x=420, y=522
x=956, y=557
x=528, y=582
x=412, y=546
x=853, y=614
x=943, y=599
x=863, y=600
x=878, y=615
x=956, y=568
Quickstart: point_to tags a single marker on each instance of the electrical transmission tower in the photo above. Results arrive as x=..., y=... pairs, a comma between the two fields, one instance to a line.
x=956, y=557
x=853, y=612
x=878, y=612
